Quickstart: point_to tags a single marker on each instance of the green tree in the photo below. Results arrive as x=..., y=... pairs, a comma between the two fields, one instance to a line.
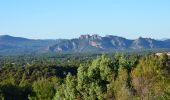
x=93, y=80
x=68, y=90
x=43, y=89
x=148, y=78
x=121, y=88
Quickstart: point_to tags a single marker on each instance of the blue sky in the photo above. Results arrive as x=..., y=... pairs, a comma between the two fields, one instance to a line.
x=52, y=19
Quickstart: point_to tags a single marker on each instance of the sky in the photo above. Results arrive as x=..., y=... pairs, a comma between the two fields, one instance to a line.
x=53, y=19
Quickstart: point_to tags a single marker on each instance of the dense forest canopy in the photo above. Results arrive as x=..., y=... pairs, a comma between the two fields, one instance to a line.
x=118, y=76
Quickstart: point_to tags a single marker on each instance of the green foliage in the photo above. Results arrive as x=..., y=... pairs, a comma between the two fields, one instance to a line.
x=93, y=80
x=121, y=88
x=85, y=77
x=43, y=89
x=67, y=91
x=149, y=78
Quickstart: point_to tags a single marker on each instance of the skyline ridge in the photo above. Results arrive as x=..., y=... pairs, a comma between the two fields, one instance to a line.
x=166, y=38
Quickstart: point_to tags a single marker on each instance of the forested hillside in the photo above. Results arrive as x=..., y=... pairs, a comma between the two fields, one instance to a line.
x=85, y=77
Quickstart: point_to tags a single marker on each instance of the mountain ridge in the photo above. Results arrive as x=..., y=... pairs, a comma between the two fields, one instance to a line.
x=84, y=43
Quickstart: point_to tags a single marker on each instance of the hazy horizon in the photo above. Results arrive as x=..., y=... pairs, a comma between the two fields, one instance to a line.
x=39, y=19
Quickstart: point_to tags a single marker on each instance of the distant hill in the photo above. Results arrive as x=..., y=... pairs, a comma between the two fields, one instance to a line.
x=85, y=43
x=18, y=45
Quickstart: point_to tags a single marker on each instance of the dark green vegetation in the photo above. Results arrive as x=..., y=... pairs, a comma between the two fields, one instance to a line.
x=85, y=43
x=85, y=77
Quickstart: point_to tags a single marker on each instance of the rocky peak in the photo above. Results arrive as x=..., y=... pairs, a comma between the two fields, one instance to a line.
x=93, y=37
x=85, y=36
x=96, y=36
